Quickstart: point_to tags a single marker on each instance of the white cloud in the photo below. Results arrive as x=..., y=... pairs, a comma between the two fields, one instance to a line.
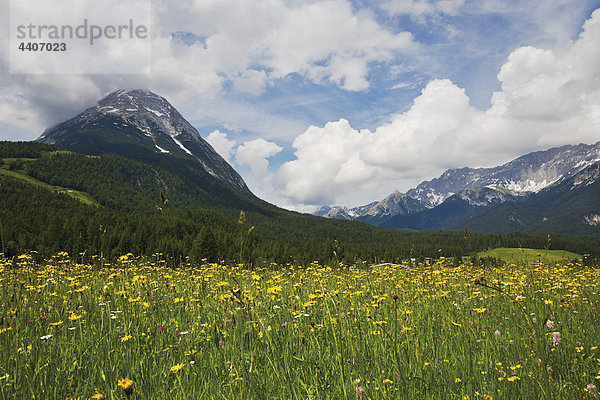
x=550, y=97
x=327, y=167
x=546, y=99
x=420, y=8
x=251, y=81
x=255, y=153
x=218, y=140
x=29, y=102
x=334, y=162
x=251, y=44
x=242, y=42
x=92, y=53
x=327, y=40
x=430, y=132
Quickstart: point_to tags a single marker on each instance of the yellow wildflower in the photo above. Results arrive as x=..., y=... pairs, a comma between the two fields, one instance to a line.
x=74, y=317
x=127, y=385
x=176, y=367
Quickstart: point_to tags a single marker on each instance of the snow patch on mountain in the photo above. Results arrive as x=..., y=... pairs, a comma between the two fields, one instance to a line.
x=181, y=145
x=529, y=185
x=488, y=195
x=161, y=149
x=157, y=113
x=592, y=219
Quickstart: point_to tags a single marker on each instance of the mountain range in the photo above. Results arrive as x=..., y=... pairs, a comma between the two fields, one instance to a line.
x=132, y=175
x=143, y=126
x=478, y=198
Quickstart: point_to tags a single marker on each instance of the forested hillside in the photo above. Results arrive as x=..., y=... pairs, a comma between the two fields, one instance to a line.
x=53, y=200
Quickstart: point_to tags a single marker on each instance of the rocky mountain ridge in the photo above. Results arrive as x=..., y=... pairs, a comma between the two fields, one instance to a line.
x=481, y=188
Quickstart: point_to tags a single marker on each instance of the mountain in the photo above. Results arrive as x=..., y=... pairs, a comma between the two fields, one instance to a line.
x=473, y=191
x=455, y=209
x=141, y=147
x=529, y=173
x=376, y=212
x=130, y=175
x=571, y=205
x=343, y=212
x=396, y=203
x=141, y=125
x=54, y=200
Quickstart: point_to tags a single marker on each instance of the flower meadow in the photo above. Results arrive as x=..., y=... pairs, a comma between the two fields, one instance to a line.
x=140, y=329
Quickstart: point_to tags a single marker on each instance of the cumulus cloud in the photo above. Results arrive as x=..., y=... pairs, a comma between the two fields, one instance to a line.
x=255, y=153
x=34, y=102
x=327, y=41
x=218, y=140
x=337, y=160
x=238, y=45
x=251, y=81
x=326, y=164
x=251, y=159
x=546, y=99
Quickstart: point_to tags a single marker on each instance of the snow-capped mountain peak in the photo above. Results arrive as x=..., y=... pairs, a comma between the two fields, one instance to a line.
x=396, y=203
x=485, y=187
x=343, y=212
x=141, y=123
x=487, y=195
x=529, y=173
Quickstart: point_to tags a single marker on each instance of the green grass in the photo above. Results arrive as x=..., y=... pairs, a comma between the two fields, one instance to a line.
x=517, y=255
x=70, y=329
x=62, y=152
x=76, y=194
x=6, y=161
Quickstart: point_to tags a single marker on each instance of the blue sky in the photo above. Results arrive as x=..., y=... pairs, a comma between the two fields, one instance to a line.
x=341, y=102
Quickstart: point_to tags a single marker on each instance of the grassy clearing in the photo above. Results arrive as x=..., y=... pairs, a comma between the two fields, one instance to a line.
x=527, y=256
x=70, y=329
x=76, y=194
x=7, y=161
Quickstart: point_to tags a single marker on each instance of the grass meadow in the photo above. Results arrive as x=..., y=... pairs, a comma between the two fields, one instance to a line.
x=137, y=329
x=527, y=256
